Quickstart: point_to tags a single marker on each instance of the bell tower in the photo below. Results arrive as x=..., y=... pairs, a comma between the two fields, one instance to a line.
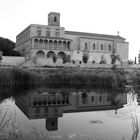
x=54, y=19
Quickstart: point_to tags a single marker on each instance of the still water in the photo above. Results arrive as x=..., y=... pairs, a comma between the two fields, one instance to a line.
x=63, y=113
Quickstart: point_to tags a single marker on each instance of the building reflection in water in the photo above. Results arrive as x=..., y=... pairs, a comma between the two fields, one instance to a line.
x=51, y=106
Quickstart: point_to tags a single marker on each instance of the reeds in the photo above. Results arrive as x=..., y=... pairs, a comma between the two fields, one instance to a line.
x=95, y=78
x=3, y=120
x=102, y=78
x=17, y=78
x=135, y=126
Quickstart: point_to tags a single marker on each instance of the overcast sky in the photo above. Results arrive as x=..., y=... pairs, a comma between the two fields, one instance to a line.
x=95, y=16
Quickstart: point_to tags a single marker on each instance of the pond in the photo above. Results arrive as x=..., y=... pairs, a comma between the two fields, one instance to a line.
x=67, y=113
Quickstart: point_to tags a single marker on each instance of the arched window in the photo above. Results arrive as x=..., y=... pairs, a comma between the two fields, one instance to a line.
x=41, y=41
x=55, y=19
x=100, y=98
x=40, y=53
x=92, y=98
x=55, y=44
x=86, y=46
x=36, y=42
x=45, y=42
x=102, y=46
x=94, y=46
x=50, y=54
x=68, y=45
x=61, y=55
x=60, y=45
x=109, y=47
x=64, y=45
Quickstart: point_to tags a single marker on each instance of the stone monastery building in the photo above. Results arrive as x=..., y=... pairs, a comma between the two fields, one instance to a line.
x=46, y=41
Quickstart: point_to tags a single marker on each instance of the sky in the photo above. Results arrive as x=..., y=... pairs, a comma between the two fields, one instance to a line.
x=93, y=16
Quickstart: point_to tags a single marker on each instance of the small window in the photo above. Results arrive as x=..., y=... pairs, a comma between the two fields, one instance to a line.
x=101, y=46
x=38, y=31
x=57, y=34
x=93, y=46
x=55, y=19
x=48, y=33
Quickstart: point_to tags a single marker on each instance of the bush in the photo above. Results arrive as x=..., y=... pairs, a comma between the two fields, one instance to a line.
x=85, y=58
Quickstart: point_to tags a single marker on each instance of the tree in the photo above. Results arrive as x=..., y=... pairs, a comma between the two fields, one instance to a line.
x=7, y=47
x=85, y=58
x=114, y=57
x=0, y=56
x=135, y=60
x=68, y=58
x=54, y=58
x=103, y=60
x=139, y=57
x=130, y=62
x=64, y=58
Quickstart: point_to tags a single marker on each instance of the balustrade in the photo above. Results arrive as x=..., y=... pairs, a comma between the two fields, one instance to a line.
x=51, y=101
x=52, y=44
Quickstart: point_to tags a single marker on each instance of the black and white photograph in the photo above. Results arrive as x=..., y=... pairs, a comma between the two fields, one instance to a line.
x=69, y=70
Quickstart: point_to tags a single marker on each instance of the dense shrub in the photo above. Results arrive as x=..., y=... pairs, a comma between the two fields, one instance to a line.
x=17, y=78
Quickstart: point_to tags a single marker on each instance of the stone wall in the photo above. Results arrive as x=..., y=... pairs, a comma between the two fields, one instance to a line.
x=12, y=61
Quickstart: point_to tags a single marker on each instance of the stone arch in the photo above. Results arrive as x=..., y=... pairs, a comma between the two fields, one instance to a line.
x=40, y=53
x=41, y=41
x=50, y=54
x=45, y=42
x=59, y=44
x=55, y=44
x=50, y=43
x=36, y=42
x=68, y=45
x=61, y=55
x=64, y=45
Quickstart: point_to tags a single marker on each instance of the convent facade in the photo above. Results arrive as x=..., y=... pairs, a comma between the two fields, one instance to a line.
x=46, y=41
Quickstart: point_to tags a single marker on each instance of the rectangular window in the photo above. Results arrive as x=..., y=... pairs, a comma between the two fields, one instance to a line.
x=38, y=31
x=47, y=32
x=57, y=33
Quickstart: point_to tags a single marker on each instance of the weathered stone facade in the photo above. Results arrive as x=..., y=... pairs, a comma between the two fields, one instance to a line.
x=47, y=41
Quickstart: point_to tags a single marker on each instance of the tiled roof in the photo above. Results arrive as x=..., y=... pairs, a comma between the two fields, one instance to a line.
x=94, y=35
